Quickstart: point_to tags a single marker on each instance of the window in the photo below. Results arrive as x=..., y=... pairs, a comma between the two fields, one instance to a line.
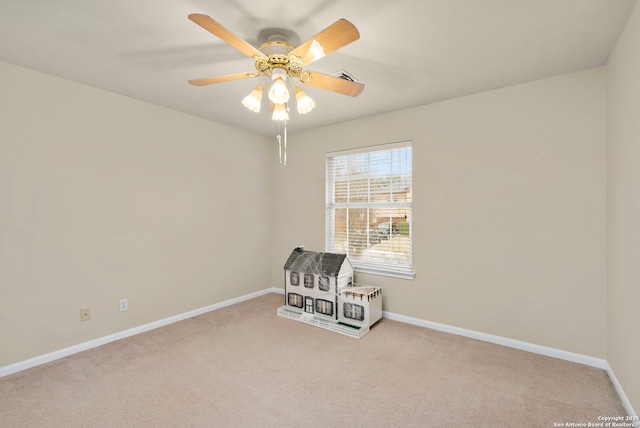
x=323, y=283
x=308, y=280
x=295, y=300
x=353, y=311
x=295, y=278
x=369, y=208
x=324, y=307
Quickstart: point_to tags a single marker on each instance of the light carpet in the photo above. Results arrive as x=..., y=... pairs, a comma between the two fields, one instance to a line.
x=243, y=366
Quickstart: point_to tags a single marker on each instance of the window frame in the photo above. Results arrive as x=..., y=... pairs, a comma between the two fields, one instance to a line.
x=309, y=280
x=324, y=283
x=294, y=282
x=292, y=299
x=322, y=304
x=353, y=311
x=363, y=266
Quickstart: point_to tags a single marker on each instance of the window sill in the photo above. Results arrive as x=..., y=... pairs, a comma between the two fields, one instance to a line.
x=370, y=270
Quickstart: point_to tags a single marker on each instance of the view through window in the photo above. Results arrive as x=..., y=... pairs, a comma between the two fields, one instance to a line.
x=369, y=204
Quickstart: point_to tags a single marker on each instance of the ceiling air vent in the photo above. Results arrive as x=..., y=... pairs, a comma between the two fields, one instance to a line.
x=342, y=74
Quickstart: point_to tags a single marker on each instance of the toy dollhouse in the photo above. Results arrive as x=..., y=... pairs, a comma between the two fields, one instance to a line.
x=319, y=290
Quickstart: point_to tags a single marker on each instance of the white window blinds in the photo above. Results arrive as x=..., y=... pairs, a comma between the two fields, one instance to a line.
x=369, y=203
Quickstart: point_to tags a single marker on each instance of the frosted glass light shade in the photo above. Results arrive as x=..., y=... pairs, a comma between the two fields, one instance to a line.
x=304, y=103
x=252, y=101
x=280, y=112
x=279, y=93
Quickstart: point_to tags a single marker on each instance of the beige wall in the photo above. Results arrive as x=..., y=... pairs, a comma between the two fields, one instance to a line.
x=509, y=209
x=623, y=191
x=103, y=198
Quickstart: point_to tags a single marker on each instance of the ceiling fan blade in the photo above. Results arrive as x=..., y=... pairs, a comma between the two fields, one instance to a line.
x=215, y=28
x=332, y=38
x=220, y=79
x=335, y=84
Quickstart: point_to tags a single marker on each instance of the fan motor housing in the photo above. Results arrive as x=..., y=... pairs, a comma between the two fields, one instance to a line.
x=277, y=53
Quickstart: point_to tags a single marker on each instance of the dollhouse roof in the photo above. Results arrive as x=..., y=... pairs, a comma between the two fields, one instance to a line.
x=313, y=262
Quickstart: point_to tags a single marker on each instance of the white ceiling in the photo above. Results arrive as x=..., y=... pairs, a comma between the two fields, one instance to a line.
x=410, y=52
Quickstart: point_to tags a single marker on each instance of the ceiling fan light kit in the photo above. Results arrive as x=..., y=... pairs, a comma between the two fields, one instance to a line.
x=279, y=93
x=280, y=112
x=252, y=101
x=280, y=60
x=304, y=102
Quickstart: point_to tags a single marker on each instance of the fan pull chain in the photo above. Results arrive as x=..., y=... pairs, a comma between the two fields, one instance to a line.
x=285, y=143
x=282, y=154
x=279, y=146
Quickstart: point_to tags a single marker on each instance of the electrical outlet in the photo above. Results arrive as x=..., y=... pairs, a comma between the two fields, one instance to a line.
x=85, y=314
x=124, y=305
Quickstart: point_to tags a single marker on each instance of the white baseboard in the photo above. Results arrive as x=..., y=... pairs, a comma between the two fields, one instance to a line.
x=524, y=346
x=511, y=343
x=498, y=340
x=623, y=397
x=52, y=356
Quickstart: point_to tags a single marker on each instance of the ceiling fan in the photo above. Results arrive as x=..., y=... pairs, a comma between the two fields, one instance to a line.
x=280, y=60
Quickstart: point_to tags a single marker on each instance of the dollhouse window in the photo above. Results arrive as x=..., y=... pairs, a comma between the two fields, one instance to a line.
x=308, y=280
x=323, y=283
x=295, y=278
x=324, y=307
x=295, y=300
x=353, y=311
